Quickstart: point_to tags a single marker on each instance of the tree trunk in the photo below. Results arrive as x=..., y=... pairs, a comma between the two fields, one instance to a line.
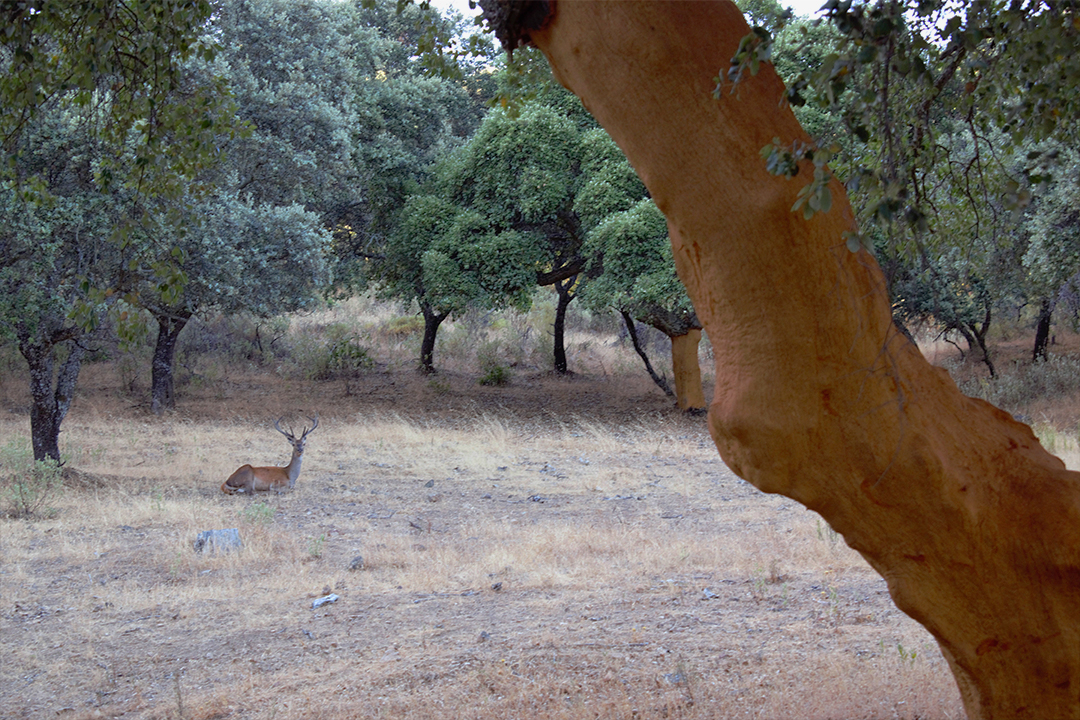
x=684, y=360
x=980, y=331
x=660, y=381
x=162, y=386
x=565, y=298
x=51, y=393
x=1042, y=330
x=432, y=320
x=975, y=339
x=818, y=396
x=684, y=331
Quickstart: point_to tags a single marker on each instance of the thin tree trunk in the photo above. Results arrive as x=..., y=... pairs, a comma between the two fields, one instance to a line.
x=565, y=298
x=660, y=381
x=51, y=392
x=980, y=331
x=1042, y=330
x=975, y=527
x=432, y=320
x=162, y=367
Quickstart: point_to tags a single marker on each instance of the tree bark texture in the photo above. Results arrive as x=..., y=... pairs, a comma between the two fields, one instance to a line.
x=432, y=321
x=975, y=334
x=684, y=361
x=1042, y=330
x=563, y=288
x=51, y=392
x=818, y=396
x=163, y=365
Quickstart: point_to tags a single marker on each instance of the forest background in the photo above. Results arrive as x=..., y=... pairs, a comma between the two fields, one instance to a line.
x=286, y=158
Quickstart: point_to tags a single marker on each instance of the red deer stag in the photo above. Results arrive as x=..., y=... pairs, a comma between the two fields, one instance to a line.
x=261, y=479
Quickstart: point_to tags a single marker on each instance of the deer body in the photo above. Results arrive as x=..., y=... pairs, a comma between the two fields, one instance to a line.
x=249, y=478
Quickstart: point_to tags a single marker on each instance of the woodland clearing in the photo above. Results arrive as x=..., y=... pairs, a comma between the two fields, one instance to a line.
x=560, y=547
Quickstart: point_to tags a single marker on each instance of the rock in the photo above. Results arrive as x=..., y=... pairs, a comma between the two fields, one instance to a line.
x=326, y=599
x=214, y=541
x=357, y=563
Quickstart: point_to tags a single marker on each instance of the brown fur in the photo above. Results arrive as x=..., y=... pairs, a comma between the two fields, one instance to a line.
x=248, y=478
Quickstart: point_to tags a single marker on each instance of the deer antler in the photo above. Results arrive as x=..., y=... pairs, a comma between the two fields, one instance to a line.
x=249, y=479
x=314, y=424
x=277, y=426
x=290, y=434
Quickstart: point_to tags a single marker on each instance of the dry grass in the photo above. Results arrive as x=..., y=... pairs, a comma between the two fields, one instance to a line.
x=561, y=548
x=556, y=548
x=514, y=566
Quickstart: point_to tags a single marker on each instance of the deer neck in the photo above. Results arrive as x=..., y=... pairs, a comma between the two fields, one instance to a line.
x=292, y=470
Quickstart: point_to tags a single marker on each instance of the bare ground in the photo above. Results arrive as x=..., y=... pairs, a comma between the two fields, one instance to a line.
x=557, y=548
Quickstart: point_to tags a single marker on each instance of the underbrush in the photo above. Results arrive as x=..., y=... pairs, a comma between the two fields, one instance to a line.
x=28, y=487
x=1020, y=384
x=346, y=339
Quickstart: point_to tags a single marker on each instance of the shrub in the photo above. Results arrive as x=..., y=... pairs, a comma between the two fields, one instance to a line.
x=406, y=325
x=1024, y=383
x=348, y=356
x=496, y=375
x=27, y=486
x=341, y=356
x=495, y=372
x=258, y=513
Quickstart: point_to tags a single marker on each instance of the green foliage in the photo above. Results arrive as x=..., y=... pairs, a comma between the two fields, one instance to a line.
x=404, y=121
x=495, y=373
x=27, y=486
x=258, y=513
x=530, y=158
x=474, y=266
x=901, y=77
x=946, y=122
x=241, y=256
x=344, y=357
x=608, y=184
x=118, y=66
x=638, y=269
x=439, y=386
x=1052, y=256
x=315, y=546
x=425, y=220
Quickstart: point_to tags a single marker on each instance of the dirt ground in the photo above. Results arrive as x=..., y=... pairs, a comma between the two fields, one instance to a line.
x=557, y=548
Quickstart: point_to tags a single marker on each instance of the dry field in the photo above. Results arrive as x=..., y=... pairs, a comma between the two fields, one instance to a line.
x=558, y=548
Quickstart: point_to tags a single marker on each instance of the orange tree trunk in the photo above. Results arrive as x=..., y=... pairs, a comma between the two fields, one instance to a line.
x=818, y=397
x=684, y=365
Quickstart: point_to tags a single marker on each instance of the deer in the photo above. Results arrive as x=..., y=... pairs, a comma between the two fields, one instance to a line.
x=251, y=479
